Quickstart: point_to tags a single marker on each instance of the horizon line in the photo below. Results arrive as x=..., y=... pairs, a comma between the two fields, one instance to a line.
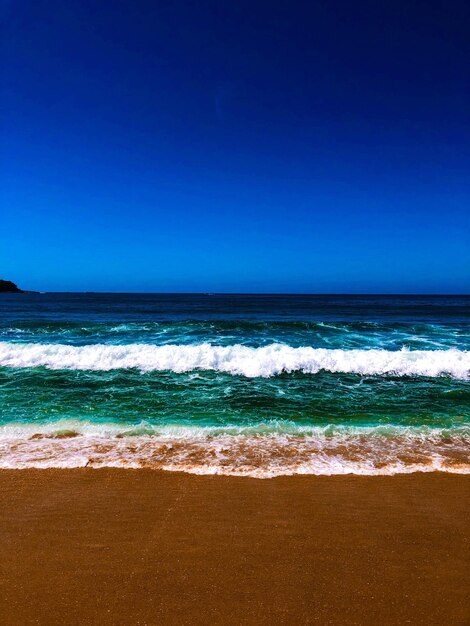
x=243, y=293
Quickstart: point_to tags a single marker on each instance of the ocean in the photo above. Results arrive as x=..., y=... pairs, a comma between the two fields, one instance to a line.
x=250, y=385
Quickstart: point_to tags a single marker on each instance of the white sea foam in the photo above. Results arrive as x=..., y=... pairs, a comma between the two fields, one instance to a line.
x=263, y=451
x=237, y=359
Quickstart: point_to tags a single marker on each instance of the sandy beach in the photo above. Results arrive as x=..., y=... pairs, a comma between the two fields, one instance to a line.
x=142, y=547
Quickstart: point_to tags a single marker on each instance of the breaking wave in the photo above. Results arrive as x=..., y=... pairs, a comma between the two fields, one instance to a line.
x=237, y=359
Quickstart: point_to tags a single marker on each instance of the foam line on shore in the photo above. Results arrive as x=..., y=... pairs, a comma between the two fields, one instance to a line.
x=262, y=452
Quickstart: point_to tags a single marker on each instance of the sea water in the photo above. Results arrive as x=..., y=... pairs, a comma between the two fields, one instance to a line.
x=256, y=385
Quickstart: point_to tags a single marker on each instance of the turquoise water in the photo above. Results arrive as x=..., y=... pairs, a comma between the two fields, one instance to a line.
x=256, y=385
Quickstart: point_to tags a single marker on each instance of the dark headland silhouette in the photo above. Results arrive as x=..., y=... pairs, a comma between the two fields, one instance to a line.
x=6, y=286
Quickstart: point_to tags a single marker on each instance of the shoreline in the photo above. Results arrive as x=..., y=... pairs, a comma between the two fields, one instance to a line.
x=263, y=451
x=121, y=546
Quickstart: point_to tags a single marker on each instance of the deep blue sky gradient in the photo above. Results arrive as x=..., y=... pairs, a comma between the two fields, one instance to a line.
x=236, y=146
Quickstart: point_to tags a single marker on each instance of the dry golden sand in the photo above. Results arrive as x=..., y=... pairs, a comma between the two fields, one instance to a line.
x=143, y=547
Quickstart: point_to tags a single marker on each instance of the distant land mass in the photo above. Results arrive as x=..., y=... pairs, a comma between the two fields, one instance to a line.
x=6, y=286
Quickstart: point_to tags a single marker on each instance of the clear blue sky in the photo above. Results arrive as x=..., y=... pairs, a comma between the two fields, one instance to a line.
x=270, y=146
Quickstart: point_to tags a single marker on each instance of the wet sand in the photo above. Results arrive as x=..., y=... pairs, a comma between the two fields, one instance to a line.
x=143, y=547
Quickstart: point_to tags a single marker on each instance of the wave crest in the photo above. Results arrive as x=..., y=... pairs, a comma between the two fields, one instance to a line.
x=237, y=359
